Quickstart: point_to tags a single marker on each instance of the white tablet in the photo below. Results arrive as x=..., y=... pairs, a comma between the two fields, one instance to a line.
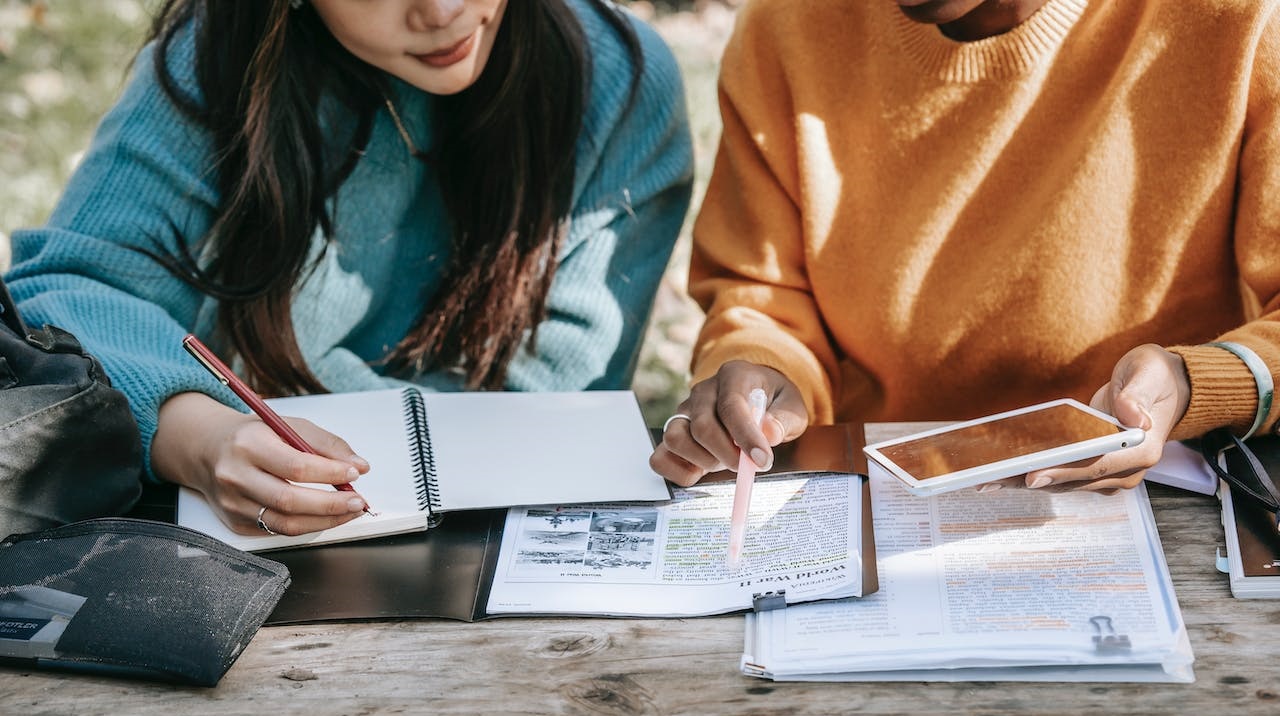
x=1001, y=445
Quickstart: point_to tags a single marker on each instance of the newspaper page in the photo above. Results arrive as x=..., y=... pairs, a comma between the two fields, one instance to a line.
x=1005, y=579
x=669, y=558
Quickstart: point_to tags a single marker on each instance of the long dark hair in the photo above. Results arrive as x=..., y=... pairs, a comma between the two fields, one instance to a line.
x=504, y=155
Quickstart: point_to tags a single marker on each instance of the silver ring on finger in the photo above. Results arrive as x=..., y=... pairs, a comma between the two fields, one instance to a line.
x=672, y=419
x=263, y=525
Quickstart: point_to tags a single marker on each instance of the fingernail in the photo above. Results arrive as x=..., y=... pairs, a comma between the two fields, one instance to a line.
x=759, y=457
x=355, y=504
x=1040, y=481
x=352, y=474
x=360, y=462
x=990, y=487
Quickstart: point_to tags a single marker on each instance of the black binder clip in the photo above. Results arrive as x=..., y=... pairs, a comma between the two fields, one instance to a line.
x=765, y=601
x=1107, y=641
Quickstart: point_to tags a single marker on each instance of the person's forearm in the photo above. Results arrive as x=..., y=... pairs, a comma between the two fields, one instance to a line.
x=186, y=422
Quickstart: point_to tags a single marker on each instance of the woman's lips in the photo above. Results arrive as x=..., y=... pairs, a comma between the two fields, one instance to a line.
x=449, y=55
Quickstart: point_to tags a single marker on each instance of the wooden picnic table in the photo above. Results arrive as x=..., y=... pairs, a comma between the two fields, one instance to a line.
x=670, y=666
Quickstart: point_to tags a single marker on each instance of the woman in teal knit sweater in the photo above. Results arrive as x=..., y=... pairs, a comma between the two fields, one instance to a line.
x=342, y=194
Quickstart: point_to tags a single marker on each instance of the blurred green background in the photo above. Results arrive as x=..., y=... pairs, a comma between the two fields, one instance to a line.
x=63, y=62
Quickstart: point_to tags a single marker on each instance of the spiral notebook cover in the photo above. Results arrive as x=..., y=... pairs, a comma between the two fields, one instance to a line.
x=132, y=598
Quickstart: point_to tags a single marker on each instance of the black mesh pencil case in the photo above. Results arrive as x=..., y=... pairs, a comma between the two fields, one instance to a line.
x=132, y=598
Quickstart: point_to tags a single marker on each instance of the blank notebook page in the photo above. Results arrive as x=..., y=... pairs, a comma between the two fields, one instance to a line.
x=500, y=449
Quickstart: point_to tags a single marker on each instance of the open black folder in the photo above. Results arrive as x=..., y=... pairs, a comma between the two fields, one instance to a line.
x=447, y=571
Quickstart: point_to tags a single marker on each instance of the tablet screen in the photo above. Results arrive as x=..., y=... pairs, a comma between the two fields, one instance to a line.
x=997, y=440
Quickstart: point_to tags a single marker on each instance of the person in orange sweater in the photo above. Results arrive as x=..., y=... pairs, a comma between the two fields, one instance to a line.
x=940, y=209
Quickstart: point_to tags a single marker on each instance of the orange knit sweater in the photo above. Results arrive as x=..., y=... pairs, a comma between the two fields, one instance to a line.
x=912, y=228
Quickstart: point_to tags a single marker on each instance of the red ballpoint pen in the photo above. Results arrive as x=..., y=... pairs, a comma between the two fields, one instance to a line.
x=255, y=402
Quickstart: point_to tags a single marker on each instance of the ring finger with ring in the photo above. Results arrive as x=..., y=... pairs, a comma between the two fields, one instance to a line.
x=263, y=525
x=673, y=418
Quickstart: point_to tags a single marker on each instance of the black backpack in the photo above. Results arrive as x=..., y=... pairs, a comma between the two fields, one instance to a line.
x=69, y=446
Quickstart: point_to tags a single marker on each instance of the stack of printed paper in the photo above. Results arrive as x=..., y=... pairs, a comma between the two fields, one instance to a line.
x=1011, y=585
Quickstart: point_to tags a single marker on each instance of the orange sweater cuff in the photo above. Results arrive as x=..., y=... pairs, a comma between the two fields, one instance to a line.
x=1223, y=392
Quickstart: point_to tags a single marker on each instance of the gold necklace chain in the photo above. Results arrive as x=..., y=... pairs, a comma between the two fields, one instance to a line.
x=404, y=133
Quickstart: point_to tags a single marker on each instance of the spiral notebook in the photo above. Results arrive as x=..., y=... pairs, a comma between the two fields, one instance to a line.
x=433, y=453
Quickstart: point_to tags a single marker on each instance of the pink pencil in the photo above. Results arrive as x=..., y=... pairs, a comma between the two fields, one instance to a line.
x=742, y=488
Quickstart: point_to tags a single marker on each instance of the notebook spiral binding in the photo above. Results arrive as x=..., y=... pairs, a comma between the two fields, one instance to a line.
x=424, y=462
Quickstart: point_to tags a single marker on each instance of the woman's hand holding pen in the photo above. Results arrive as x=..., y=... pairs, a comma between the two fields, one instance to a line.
x=715, y=421
x=242, y=466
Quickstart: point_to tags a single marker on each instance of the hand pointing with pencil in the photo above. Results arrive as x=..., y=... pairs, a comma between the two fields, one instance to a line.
x=720, y=427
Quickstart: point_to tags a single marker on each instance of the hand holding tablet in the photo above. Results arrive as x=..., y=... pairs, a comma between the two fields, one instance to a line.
x=1001, y=445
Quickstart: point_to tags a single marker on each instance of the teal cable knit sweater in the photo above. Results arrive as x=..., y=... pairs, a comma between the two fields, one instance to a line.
x=146, y=173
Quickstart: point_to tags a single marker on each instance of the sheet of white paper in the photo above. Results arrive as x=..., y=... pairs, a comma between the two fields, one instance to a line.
x=1184, y=468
